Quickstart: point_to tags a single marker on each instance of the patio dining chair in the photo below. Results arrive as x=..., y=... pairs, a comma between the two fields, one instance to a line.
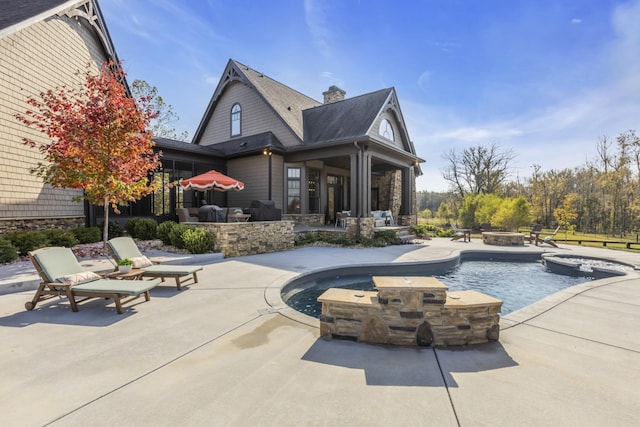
x=534, y=233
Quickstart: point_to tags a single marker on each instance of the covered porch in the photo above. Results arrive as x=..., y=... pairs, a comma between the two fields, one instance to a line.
x=359, y=179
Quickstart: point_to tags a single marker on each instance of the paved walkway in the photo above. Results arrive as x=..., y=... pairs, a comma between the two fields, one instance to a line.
x=228, y=352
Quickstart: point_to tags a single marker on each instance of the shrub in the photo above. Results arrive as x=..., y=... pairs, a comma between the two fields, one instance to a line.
x=61, y=238
x=114, y=229
x=305, y=238
x=87, y=234
x=340, y=239
x=175, y=235
x=8, y=252
x=386, y=237
x=130, y=225
x=142, y=228
x=423, y=230
x=197, y=240
x=26, y=241
x=163, y=232
x=447, y=233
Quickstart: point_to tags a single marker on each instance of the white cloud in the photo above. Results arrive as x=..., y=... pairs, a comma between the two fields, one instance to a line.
x=472, y=134
x=211, y=80
x=424, y=80
x=330, y=79
x=576, y=21
x=316, y=19
x=625, y=51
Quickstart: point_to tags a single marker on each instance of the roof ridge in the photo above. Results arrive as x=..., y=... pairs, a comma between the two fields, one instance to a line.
x=354, y=98
x=241, y=65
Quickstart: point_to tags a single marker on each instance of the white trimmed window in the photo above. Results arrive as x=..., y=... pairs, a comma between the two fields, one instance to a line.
x=236, y=119
x=386, y=130
x=293, y=190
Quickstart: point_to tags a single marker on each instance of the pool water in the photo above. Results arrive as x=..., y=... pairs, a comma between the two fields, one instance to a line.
x=517, y=284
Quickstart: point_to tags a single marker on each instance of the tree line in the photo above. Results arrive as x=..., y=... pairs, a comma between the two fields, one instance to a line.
x=601, y=196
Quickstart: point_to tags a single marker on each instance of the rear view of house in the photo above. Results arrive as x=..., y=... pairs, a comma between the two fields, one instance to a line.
x=344, y=154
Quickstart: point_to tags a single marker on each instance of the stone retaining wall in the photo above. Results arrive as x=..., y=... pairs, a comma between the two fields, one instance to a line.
x=249, y=238
x=35, y=224
x=305, y=220
x=401, y=313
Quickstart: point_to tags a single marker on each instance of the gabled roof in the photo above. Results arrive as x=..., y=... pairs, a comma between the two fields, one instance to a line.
x=347, y=119
x=312, y=122
x=18, y=14
x=287, y=103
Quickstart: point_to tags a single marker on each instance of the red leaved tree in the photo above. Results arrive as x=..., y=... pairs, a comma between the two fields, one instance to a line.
x=98, y=140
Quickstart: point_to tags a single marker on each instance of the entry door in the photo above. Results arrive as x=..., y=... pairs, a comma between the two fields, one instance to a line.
x=334, y=196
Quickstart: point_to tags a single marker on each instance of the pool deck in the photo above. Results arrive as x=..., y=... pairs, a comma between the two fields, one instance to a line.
x=227, y=352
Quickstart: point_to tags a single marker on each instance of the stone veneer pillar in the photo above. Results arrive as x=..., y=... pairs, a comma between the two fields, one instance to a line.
x=410, y=311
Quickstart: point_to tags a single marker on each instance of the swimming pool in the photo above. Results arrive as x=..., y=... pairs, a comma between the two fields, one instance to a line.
x=517, y=283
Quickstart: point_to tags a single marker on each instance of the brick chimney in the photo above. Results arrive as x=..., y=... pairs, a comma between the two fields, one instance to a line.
x=334, y=94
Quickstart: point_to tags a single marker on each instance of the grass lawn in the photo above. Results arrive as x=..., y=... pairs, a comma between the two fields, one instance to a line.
x=592, y=239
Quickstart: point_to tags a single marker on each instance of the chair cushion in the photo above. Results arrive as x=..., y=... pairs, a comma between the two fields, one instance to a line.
x=57, y=262
x=78, y=278
x=124, y=247
x=171, y=270
x=141, y=262
x=125, y=287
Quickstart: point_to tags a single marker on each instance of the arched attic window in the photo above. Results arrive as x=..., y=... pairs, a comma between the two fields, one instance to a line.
x=386, y=130
x=236, y=119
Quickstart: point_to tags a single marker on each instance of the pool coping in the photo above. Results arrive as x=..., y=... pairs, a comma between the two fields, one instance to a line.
x=273, y=292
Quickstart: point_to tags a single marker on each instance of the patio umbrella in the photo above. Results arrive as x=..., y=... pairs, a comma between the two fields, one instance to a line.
x=212, y=180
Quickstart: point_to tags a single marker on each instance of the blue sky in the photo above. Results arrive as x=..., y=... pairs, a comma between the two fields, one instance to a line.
x=543, y=78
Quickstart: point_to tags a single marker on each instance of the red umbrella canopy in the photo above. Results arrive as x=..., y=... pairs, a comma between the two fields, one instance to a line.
x=212, y=180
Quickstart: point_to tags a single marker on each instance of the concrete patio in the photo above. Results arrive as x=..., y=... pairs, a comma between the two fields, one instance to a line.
x=228, y=352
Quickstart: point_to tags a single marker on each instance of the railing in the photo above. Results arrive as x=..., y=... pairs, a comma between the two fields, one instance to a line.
x=628, y=245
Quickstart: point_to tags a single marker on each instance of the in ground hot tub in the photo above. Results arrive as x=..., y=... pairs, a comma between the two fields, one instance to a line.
x=502, y=238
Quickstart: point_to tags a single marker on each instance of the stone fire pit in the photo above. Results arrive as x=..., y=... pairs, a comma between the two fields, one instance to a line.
x=502, y=238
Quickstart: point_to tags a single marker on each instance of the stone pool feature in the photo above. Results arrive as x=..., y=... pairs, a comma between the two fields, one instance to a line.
x=410, y=311
x=502, y=238
x=596, y=268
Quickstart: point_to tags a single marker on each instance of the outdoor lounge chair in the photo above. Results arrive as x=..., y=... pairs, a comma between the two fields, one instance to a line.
x=62, y=275
x=460, y=233
x=125, y=247
x=548, y=239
